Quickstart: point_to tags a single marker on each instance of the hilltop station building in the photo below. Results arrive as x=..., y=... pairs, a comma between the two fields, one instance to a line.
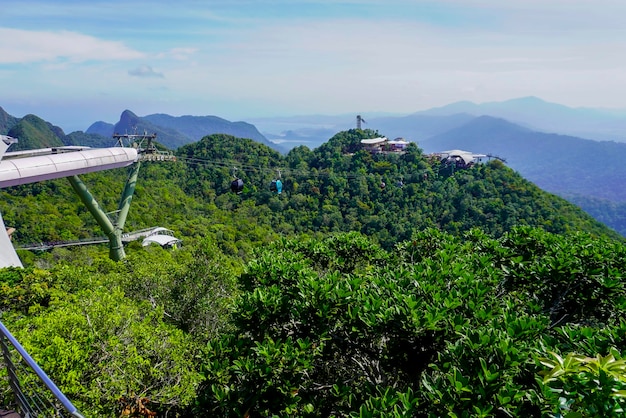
x=382, y=145
x=459, y=158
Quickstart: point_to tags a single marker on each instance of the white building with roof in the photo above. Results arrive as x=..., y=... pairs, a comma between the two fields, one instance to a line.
x=384, y=145
x=460, y=158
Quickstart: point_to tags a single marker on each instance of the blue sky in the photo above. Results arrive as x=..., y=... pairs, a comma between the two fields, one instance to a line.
x=74, y=62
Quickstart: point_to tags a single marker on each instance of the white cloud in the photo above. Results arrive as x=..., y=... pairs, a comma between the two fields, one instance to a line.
x=179, y=54
x=220, y=55
x=345, y=64
x=23, y=46
x=145, y=71
x=553, y=16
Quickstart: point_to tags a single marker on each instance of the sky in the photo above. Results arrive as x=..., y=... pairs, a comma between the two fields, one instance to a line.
x=75, y=62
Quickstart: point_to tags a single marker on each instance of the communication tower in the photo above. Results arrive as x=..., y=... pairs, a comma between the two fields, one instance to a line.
x=359, y=120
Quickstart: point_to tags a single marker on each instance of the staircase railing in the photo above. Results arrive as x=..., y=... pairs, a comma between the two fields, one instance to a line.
x=35, y=394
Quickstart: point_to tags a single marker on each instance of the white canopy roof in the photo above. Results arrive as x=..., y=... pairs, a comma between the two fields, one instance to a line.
x=162, y=240
x=373, y=141
x=159, y=230
x=18, y=171
x=466, y=156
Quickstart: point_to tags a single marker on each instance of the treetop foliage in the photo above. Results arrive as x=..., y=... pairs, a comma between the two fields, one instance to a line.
x=443, y=330
x=458, y=293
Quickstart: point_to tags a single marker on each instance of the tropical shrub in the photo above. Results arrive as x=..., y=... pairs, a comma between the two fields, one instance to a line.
x=441, y=326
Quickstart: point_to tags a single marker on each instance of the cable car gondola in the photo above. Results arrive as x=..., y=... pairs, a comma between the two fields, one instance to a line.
x=276, y=186
x=236, y=186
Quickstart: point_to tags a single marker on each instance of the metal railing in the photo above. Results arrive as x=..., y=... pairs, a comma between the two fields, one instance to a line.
x=43, y=246
x=35, y=395
x=126, y=237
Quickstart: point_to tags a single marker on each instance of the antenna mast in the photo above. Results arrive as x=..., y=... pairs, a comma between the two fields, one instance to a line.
x=359, y=120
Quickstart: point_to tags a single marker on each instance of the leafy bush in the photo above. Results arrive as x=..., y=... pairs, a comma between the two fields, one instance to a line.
x=442, y=326
x=586, y=386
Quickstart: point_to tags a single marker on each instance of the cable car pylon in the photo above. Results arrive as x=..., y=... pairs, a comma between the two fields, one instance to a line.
x=113, y=228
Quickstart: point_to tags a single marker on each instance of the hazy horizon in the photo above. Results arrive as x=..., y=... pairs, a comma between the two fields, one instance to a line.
x=74, y=63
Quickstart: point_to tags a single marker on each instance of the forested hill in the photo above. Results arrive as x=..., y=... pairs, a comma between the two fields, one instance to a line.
x=33, y=132
x=175, y=131
x=562, y=164
x=336, y=187
x=453, y=300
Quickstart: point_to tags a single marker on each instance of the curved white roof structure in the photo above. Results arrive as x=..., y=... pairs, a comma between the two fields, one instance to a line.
x=466, y=156
x=398, y=142
x=18, y=171
x=162, y=240
x=159, y=230
x=373, y=141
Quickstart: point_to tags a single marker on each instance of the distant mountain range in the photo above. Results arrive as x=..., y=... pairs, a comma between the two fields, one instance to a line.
x=530, y=112
x=33, y=132
x=173, y=131
x=561, y=164
x=539, y=115
x=542, y=141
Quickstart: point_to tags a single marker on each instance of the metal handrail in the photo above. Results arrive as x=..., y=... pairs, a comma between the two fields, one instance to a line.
x=42, y=246
x=14, y=380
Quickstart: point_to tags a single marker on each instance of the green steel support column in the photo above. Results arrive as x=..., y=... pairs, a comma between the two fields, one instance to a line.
x=127, y=197
x=116, y=248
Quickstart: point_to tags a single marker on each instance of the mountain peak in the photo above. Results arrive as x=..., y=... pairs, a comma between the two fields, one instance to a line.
x=451, y=109
x=128, y=122
x=128, y=115
x=101, y=128
x=493, y=123
x=526, y=99
x=483, y=134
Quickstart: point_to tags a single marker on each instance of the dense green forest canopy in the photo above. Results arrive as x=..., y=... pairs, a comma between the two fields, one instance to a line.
x=529, y=324
x=612, y=214
x=336, y=187
x=34, y=133
x=444, y=293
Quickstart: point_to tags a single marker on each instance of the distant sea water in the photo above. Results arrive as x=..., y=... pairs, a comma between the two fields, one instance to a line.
x=287, y=144
x=290, y=141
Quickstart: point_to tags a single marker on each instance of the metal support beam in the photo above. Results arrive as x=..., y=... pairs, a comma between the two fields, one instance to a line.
x=116, y=247
x=127, y=196
x=8, y=256
x=113, y=230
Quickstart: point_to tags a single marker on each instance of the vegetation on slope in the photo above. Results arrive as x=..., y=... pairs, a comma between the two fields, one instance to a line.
x=6, y=121
x=106, y=330
x=33, y=132
x=457, y=293
x=335, y=188
x=441, y=325
x=612, y=214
